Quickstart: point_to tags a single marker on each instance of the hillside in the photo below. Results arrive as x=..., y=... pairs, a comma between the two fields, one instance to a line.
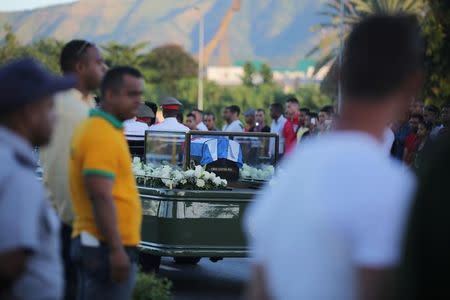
x=277, y=31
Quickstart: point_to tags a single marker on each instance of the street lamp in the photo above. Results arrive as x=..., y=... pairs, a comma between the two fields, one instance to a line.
x=201, y=38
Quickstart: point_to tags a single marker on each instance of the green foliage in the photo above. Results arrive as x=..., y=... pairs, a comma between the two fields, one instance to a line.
x=327, y=48
x=171, y=63
x=311, y=97
x=150, y=287
x=436, y=27
x=47, y=50
x=249, y=73
x=266, y=74
x=435, y=18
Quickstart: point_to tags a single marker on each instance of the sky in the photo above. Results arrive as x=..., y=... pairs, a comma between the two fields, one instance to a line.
x=11, y=5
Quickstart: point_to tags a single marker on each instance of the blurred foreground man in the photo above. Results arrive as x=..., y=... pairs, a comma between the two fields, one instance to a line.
x=105, y=199
x=84, y=61
x=30, y=261
x=338, y=236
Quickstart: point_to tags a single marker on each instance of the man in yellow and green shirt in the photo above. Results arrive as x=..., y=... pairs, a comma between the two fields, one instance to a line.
x=105, y=199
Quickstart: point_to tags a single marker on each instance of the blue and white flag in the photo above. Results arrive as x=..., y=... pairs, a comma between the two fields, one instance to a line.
x=212, y=149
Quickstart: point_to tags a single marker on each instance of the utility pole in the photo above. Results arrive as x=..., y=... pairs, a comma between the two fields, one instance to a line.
x=201, y=68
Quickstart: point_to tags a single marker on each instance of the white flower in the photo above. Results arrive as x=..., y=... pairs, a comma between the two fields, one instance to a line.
x=208, y=176
x=183, y=181
x=217, y=181
x=200, y=183
x=189, y=173
x=139, y=172
x=245, y=173
x=136, y=160
x=224, y=182
x=198, y=171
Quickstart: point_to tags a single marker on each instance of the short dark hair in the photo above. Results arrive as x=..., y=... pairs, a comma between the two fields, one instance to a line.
x=432, y=108
x=292, y=100
x=416, y=116
x=114, y=78
x=190, y=115
x=234, y=109
x=313, y=115
x=153, y=106
x=197, y=110
x=72, y=53
x=381, y=52
x=278, y=107
x=261, y=110
x=327, y=109
x=304, y=110
x=208, y=113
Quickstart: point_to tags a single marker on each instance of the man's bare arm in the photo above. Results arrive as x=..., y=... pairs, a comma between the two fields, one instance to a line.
x=99, y=189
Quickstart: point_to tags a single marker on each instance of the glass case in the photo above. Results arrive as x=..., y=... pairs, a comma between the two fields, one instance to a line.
x=244, y=157
x=165, y=148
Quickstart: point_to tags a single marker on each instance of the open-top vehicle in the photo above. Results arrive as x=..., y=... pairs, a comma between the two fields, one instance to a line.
x=195, y=188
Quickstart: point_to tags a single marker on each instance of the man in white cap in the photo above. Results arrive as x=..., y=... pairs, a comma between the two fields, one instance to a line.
x=170, y=107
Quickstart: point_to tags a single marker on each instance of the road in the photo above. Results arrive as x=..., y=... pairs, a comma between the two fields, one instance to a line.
x=223, y=280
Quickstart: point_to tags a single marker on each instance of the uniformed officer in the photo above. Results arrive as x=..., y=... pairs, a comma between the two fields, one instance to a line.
x=170, y=107
x=30, y=262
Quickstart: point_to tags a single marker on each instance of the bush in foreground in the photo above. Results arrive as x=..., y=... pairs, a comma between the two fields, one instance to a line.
x=150, y=287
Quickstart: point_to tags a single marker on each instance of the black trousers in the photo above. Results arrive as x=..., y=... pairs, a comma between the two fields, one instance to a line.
x=70, y=273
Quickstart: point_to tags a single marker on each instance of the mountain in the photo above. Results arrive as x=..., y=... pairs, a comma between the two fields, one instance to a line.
x=276, y=31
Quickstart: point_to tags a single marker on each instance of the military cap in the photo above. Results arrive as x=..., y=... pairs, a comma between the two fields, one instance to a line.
x=145, y=112
x=170, y=103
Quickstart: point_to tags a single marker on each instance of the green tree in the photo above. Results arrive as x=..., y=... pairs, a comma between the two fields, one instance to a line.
x=119, y=55
x=311, y=97
x=172, y=63
x=48, y=52
x=436, y=26
x=266, y=74
x=249, y=73
x=10, y=48
x=327, y=48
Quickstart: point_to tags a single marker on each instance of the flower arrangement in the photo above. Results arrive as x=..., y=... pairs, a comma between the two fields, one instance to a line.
x=169, y=177
x=250, y=173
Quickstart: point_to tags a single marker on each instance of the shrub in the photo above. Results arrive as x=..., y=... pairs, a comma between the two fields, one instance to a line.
x=150, y=287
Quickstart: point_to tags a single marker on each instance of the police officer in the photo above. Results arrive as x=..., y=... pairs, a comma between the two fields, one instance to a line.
x=30, y=262
x=170, y=107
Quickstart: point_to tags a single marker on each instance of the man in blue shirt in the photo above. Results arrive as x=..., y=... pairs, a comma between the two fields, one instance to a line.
x=30, y=263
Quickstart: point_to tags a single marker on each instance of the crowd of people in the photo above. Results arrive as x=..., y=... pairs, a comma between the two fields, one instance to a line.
x=292, y=123
x=340, y=235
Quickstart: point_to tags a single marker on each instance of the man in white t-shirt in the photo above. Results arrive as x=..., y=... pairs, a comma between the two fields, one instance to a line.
x=277, y=126
x=231, y=117
x=198, y=114
x=334, y=231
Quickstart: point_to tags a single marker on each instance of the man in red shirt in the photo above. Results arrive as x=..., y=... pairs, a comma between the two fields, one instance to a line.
x=293, y=116
x=411, y=140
